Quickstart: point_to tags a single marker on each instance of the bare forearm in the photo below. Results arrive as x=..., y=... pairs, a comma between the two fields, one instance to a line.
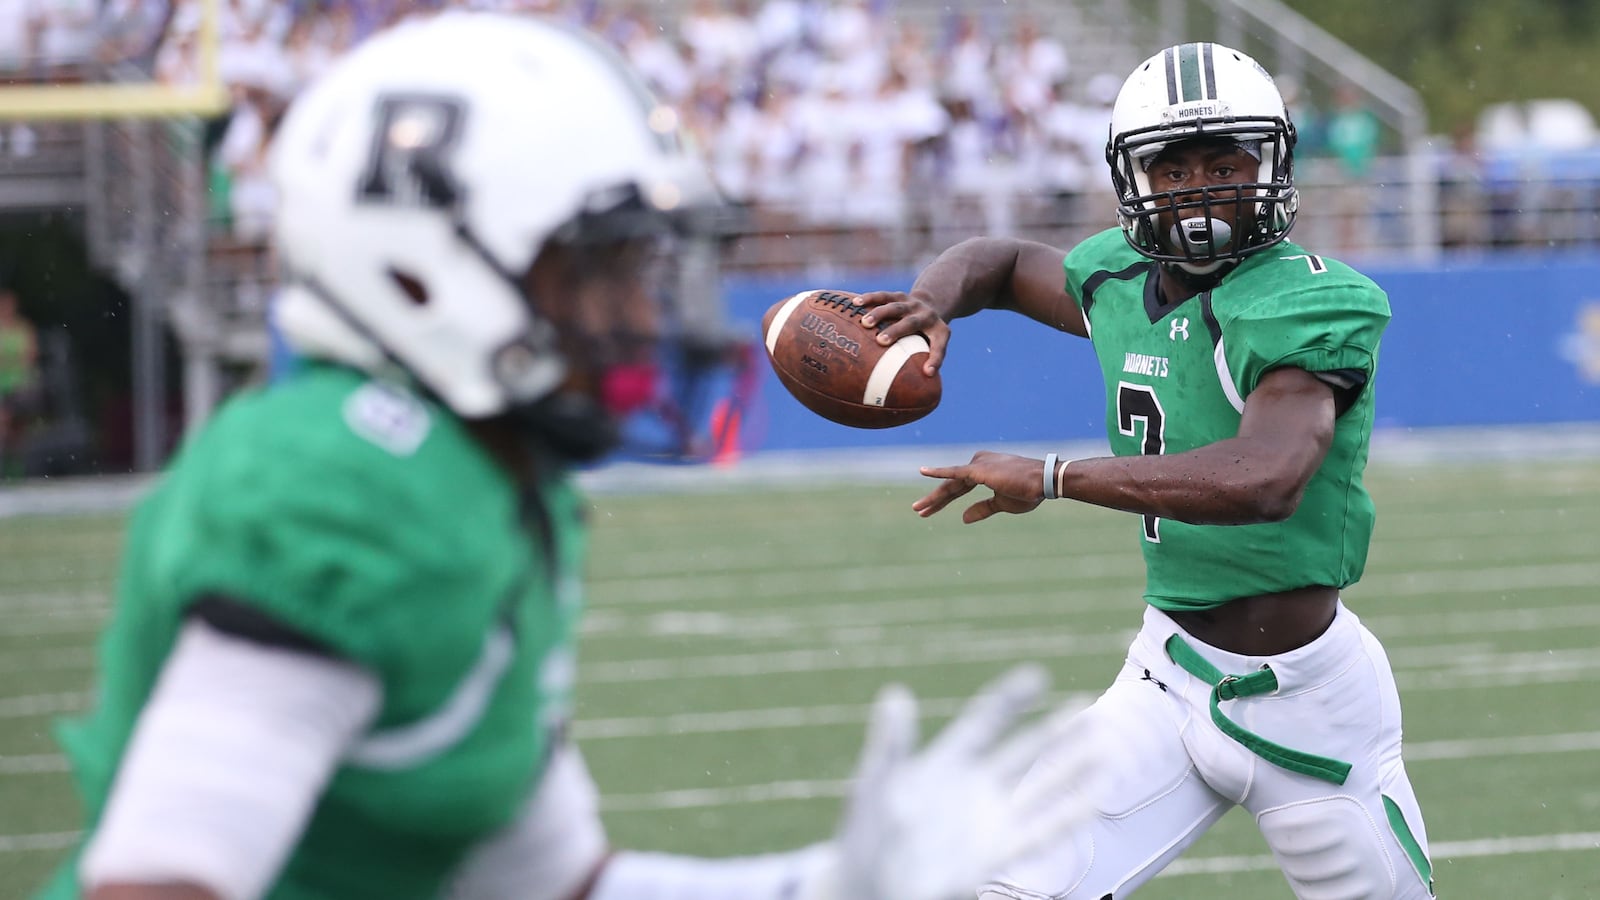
x=1230, y=482
x=968, y=278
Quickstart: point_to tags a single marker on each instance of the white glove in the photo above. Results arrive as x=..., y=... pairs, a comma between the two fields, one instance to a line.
x=934, y=824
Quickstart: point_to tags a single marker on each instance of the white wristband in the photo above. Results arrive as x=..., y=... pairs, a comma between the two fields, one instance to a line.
x=1061, y=478
x=1050, y=476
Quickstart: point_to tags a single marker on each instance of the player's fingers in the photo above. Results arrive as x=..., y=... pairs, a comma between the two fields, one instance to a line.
x=891, y=735
x=873, y=299
x=938, y=339
x=1071, y=768
x=991, y=713
x=979, y=511
x=942, y=496
x=885, y=308
x=899, y=320
x=1014, y=505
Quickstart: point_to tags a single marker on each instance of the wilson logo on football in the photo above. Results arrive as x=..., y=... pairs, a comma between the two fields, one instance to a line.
x=828, y=333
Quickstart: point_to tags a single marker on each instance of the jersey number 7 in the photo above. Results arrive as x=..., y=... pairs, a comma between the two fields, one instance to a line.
x=1137, y=403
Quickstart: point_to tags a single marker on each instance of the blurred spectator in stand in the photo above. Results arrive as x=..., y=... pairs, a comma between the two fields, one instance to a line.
x=658, y=59
x=1467, y=217
x=307, y=50
x=780, y=25
x=67, y=37
x=1029, y=67
x=1073, y=160
x=242, y=158
x=19, y=360
x=776, y=154
x=1353, y=134
x=178, y=57
x=1309, y=124
x=129, y=31
x=910, y=55
x=17, y=41
x=18, y=47
x=968, y=59
x=720, y=39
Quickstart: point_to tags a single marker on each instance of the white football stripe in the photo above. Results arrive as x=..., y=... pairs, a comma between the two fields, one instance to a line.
x=889, y=366
x=782, y=317
x=1229, y=390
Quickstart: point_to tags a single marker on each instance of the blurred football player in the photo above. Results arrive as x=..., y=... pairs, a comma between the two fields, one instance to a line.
x=1238, y=375
x=341, y=663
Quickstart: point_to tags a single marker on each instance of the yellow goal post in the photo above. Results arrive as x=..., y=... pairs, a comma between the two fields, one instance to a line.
x=127, y=100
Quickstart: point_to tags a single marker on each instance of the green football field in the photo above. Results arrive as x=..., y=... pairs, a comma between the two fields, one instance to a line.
x=735, y=638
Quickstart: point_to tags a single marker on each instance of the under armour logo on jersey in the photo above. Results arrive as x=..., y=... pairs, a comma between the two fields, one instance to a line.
x=1180, y=326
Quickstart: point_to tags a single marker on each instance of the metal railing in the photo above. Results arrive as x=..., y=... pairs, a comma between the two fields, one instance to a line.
x=145, y=224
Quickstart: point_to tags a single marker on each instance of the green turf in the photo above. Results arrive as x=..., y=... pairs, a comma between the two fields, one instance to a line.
x=735, y=637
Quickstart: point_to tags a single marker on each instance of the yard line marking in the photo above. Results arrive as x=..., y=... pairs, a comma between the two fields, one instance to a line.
x=1425, y=751
x=771, y=718
x=1468, y=748
x=1426, y=672
x=43, y=704
x=700, y=798
x=852, y=714
x=1537, y=843
x=63, y=660
x=33, y=764
x=50, y=840
x=992, y=647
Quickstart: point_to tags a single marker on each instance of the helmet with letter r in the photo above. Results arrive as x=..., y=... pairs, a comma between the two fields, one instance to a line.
x=473, y=203
x=1202, y=93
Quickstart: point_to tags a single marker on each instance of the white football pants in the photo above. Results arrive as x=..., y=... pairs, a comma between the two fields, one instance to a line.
x=1171, y=773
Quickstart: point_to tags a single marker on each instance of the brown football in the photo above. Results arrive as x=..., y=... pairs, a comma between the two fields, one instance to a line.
x=835, y=366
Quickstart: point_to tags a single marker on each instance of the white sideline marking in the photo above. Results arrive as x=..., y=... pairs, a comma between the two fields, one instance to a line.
x=843, y=714
x=1426, y=751
x=1416, y=669
x=1536, y=843
x=50, y=840
x=33, y=764
x=1088, y=539
x=810, y=789
x=699, y=798
x=43, y=704
x=762, y=719
x=1469, y=748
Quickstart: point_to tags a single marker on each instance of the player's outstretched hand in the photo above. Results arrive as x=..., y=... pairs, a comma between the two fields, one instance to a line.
x=1017, y=482
x=934, y=823
x=901, y=314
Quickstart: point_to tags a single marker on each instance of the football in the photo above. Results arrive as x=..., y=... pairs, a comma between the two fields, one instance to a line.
x=836, y=368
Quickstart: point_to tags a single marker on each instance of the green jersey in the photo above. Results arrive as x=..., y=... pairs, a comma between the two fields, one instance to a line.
x=367, y=520
x=1177, y=377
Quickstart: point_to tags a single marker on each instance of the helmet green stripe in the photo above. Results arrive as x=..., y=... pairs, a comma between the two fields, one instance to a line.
x=1189, y=73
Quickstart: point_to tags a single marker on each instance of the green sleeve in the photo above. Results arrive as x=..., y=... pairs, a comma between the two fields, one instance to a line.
x=1319, y=330
x=332, y=551
x=1107, y=250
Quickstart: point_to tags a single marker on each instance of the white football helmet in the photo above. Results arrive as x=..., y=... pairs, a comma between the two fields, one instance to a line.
x=420, y=178
x=1195, y=91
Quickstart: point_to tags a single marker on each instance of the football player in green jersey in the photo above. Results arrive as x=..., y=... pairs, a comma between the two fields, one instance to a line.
x=341, y=662
x=1239, y=407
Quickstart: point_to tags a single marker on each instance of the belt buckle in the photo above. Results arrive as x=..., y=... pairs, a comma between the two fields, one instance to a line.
x=1225, y=689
